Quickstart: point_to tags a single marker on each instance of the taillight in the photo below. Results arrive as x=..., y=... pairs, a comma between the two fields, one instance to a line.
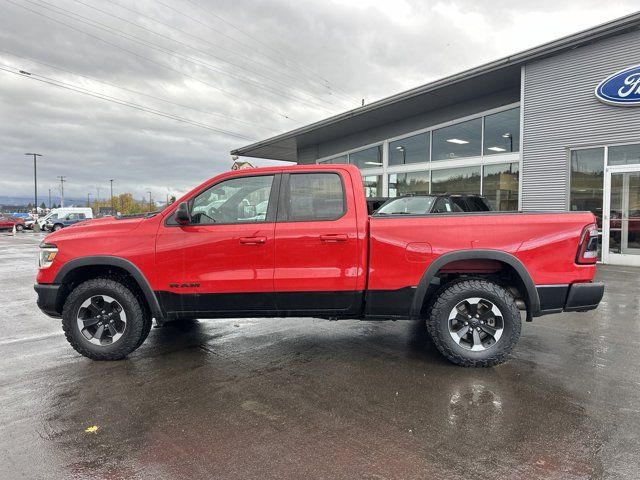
x=588, y=248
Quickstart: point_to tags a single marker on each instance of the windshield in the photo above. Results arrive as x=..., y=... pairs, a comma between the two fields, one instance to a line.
x=407, y=206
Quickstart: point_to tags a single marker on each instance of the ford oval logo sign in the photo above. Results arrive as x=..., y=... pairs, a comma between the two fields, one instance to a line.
x=621, y=88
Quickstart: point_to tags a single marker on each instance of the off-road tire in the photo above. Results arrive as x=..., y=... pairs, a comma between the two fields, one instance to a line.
x=138, y=319
x=438, y=322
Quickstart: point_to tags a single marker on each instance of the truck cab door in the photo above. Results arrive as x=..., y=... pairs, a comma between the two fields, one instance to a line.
x=317, y=260
x=221, y=264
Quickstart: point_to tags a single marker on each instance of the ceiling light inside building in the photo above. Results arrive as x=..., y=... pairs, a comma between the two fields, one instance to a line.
x=497, y=149
x=457, y=140
x=373, y=163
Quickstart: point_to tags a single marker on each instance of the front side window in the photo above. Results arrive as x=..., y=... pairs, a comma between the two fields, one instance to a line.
x=457, y=141
x=237, y=200
x=315, y=197
x=445, y=205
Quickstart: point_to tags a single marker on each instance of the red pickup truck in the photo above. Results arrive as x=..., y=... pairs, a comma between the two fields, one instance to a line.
x=297, y=241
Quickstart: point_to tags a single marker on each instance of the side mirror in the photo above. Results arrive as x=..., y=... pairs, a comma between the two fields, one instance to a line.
x=182, y=214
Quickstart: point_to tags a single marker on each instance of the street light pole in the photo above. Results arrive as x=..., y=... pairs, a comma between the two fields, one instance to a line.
x=149, y=200
x=111, y=182
x=49, y=199
x=62, y=180
x=88, y=200
x=35, y=178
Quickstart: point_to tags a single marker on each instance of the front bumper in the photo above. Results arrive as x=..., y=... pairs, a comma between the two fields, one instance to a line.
x=577, y=297
x=48, y=295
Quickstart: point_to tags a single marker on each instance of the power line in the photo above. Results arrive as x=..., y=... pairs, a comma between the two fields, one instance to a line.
x=313, y=80
x=147, y=59
x=170, y=52
x=242, y=31
x=75, y=88
x=226, y=117
x=289, y=86
x=252, y=48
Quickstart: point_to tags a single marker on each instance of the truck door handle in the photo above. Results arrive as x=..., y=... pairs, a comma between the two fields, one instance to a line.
x=335, y=237
x=253, y=240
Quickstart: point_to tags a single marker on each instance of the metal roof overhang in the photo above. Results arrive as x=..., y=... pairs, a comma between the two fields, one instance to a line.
x=485, y=79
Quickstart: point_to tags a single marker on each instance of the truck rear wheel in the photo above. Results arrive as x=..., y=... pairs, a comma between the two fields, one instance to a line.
x=103, y=319
x=474, y=323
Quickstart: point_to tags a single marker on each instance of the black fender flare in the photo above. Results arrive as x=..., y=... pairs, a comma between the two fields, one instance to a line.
x=532, y=300
x=108, y=260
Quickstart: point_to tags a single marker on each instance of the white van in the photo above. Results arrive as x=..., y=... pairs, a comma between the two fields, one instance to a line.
x=63, y=212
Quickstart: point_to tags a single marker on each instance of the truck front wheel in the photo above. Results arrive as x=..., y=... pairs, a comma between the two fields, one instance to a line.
x=103, y=319
x=474, y=323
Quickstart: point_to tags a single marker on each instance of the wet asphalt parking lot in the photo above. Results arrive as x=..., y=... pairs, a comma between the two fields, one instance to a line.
x=305, y=398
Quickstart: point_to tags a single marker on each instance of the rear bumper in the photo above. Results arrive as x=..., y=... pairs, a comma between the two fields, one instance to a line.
x=48, y=299
x=578, y=297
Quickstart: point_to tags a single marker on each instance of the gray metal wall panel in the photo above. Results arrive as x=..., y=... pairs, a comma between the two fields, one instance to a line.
x=561, y=111
x=409, y=124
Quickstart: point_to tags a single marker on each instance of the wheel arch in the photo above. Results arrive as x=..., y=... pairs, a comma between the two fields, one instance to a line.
x=70, y=269
x=426, y=288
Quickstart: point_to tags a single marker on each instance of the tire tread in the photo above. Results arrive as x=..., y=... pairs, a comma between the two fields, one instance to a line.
x=439, y=305
x=135, y=303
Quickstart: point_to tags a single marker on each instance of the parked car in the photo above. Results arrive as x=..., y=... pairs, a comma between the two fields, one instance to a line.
x=448, y=203
x=29, y=222
x=56, y=223
x=423, y=204
x=8, y=222
x=58, y=213
x=316, y=253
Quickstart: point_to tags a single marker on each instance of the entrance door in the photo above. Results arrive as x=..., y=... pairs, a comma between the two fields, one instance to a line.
x=621, y=233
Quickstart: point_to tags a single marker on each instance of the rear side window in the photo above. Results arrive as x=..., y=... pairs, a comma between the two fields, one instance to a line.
x=315, y=197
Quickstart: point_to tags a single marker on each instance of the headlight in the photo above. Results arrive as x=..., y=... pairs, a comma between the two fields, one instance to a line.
x=47, y=253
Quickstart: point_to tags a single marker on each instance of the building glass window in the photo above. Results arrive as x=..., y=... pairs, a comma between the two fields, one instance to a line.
x=416, y=183
x=500, y=185
x=367, y=158
x=587, y=181
x=456, y=141
x=456, y=180
x=502, y=132
x=372, y=185
x=341, y=159
x=624, y=154
x=407, y=150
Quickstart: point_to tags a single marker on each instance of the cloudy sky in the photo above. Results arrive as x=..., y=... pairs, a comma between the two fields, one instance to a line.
x=219, y=74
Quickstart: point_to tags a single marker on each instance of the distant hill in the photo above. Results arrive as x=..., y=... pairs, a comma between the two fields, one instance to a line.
x=21, y=200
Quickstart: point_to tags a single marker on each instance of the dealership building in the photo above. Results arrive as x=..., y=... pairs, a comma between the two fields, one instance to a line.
x=555, y=128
